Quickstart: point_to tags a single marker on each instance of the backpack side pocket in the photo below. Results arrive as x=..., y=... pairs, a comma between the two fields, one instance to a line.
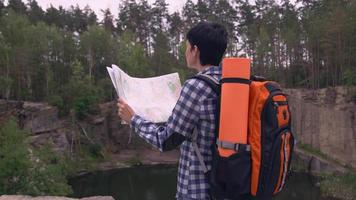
x=231, y=176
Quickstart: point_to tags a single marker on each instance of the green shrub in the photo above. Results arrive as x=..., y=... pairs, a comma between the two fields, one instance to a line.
x=29, y=171
x=343, y=187
x=350, y=77
x=95, y=150
x=48, y=174
x=80, y=94
x=83, y=104
x=14, y=159
x=353, y=98
x=57, y=100
x=135, y=160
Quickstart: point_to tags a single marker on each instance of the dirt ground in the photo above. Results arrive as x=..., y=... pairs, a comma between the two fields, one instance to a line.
x=144, y=156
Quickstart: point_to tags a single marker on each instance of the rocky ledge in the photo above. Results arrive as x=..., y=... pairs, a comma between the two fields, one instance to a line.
x=10, y=197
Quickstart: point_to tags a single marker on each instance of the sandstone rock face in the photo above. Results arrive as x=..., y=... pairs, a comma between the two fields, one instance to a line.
x=8, y=109
x=43, y=125
x=314, y=164
x=9, y=197
x=39, y=118
x=106, y=128
x=325, y=119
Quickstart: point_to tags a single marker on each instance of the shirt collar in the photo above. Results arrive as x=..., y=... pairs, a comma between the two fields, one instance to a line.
x=211, y=70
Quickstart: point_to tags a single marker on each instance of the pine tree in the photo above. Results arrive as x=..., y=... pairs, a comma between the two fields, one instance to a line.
x=90, y=16
x=99, y=50
x=35, y=13
x=53, y=17
x=203, y=10
x=132, y=57
x=159, y=15
x=190, y=15
x=108, y=21
x=161, y=58
x=18, y=6
x=175, y=32
x=136, y=18
x=2, y=5
x=79, y=19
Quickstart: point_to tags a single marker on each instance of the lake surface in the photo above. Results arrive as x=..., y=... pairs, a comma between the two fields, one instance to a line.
x=159, y=183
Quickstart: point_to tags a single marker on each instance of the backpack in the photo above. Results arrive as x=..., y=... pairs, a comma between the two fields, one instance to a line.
x=260, y=168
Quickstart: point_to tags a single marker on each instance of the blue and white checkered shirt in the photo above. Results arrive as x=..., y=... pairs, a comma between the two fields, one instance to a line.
x=195, y=109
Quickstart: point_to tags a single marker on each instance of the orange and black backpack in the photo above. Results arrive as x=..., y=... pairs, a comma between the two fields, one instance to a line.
x=258, y=169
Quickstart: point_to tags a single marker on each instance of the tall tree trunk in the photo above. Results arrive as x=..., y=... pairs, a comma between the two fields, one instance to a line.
x=91, y=63
x=8, y=87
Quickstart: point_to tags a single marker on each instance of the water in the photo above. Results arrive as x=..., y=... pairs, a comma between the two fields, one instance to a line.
x=139, y=183
x=159, y=183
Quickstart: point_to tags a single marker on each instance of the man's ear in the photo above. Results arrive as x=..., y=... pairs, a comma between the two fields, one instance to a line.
x=193, y=48
x=196, y=50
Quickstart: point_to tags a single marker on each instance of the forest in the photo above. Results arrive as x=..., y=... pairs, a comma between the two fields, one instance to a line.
x=59, y=55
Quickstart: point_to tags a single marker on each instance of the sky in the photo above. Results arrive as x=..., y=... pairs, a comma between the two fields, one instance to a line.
x=97, y=5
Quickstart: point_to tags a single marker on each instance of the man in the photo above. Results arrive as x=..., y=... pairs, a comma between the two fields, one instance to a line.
x=205, y=46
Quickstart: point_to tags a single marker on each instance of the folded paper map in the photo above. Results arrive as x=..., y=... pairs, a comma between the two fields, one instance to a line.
x=151, y=98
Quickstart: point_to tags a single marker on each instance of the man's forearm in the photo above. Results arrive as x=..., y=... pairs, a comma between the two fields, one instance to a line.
x=156, y=134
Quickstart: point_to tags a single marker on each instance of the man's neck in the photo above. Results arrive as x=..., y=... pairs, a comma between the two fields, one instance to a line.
x=202, y=67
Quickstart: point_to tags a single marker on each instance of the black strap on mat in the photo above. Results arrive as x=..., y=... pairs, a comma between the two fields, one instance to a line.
x=236, y=80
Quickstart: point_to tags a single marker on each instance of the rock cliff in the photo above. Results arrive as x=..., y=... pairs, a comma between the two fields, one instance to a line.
x=325, y=120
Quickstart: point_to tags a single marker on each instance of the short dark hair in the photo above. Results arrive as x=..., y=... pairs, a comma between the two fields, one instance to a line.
x=211, y=40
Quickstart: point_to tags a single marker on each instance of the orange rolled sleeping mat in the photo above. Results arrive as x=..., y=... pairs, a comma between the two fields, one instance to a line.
x=234, y=103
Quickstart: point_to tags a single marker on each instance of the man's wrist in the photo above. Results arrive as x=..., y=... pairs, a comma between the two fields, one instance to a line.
x=134, y=122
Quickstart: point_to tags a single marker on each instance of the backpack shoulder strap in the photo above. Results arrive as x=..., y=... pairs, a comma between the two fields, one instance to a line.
x=215, y=86
x=257, y=78
x=213, y=83
x=197, y=150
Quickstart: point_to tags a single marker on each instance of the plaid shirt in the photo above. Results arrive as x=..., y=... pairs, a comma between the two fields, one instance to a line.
x=194, y=109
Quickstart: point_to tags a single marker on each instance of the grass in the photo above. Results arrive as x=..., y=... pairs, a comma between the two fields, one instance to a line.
x=135, y=160
x=331, y=185
x=308, y=148
x=341, y=187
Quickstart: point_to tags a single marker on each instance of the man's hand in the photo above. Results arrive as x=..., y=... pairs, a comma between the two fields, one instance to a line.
x=125, y=111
